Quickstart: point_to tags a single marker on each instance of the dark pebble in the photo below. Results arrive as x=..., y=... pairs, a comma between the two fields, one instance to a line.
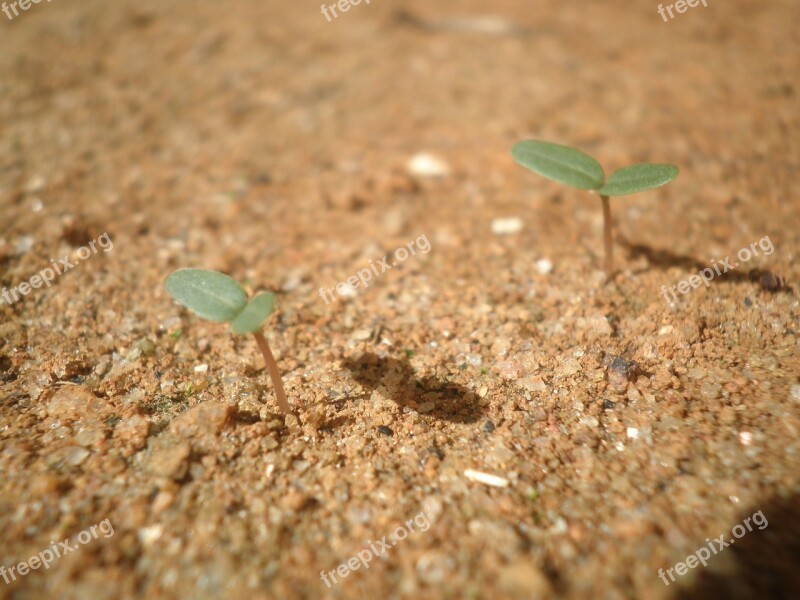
x=770, y=282
x=628, y=369
x=488, y=427
x=437, y=451
x=385, y=430
x=747, y=302
x=608, y=405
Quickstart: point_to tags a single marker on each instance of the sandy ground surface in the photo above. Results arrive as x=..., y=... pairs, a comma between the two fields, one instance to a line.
x=259, y=139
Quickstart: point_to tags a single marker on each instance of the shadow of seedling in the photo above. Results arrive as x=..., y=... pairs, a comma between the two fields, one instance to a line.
x=763, y=563
x=437, y=398
x=665, y=259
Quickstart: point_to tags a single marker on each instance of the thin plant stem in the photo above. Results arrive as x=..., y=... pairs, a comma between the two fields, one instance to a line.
x=607, y=238
x=274, y=373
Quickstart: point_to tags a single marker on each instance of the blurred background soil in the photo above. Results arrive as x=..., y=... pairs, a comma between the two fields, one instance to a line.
x=259, y=139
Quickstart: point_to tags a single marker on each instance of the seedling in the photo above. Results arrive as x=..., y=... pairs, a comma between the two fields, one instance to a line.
x=574, y=168
x=218, y=298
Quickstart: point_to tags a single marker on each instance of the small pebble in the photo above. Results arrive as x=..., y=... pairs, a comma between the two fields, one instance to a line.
x=433, y=567
x=162, y=501
x=35, y=184
x=633, y=394
x=385, y=430
x=295, y=500
x=206, y=418
x=794, y=392
x=426, y=407
x=347, y=291
x=488, y=427
x=486, y=478
x=570, y=366
x=710, y=390
x=74, y=402
x=771, y=282
x=510, y=369
x=293, y=281
x=474, y=360
x=24, y=244
x=76, y=456
x=169, y=458
x=621, y=371
x=150, y=535
x=427, y=165
x=544, y=266
x=509, y=226
x=146, y=346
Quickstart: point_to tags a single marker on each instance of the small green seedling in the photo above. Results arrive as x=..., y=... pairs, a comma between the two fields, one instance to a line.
x=218, y=298
x=574, y=168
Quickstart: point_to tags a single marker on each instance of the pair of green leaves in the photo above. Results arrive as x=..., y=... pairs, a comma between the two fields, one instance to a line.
x=574, y=168
x=216, y=297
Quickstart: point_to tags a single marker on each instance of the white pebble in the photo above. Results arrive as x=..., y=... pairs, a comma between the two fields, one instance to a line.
x=201, y=368
x=746, y=438
x=632, y=432
x=427, y=165
x=24, y=244
x=149, y=535
x=794, y=392
x=35, y=184
x=544, y=266
x=508, y=226
x=347, y=291
x=474, y=360
x=486, y=478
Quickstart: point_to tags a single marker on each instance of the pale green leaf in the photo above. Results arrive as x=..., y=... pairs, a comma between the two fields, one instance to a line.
x=638, y=178
x=560, y=163
x=252, y=318
x=212, y=295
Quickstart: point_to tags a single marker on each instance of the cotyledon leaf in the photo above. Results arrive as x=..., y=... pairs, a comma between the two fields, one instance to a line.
x=252, y=318
x=637, y=178
x=560, y=163
x=211, y=295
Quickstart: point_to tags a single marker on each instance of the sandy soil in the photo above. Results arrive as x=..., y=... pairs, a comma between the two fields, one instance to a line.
x=259, y=139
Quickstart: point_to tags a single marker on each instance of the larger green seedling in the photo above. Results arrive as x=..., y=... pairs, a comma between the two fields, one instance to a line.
x=218, y=298
x=574, y=168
